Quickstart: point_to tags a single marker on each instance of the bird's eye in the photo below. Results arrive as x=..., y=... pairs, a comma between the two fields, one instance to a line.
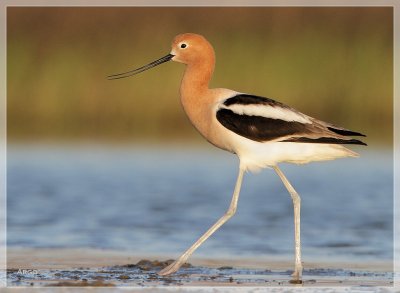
x=183, y=46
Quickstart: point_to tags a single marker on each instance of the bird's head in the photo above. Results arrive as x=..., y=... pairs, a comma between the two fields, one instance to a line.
x=191, y=48
x=186, y=48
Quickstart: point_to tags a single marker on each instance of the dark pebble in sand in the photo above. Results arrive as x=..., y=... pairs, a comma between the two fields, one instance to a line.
x=129, y=266
x=225, y=268
x=147, y=265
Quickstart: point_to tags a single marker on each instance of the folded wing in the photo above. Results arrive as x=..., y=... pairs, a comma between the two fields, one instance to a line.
x=263, y=119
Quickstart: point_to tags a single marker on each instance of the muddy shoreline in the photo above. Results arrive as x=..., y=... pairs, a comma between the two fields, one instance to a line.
x=107, y=268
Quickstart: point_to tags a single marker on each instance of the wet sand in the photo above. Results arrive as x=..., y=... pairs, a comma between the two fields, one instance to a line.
x=109, y=268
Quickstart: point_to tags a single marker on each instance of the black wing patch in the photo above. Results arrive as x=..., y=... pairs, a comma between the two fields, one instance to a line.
x=244, y=99
x=259, y=128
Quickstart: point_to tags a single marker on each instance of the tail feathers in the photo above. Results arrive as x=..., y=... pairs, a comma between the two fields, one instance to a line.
x=345, y=132
x=328, y=140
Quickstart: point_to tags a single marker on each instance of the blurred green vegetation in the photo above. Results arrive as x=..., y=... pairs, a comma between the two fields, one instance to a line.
x=335, y=64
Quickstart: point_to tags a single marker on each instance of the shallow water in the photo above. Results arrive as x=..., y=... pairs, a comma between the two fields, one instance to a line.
x=158, y=201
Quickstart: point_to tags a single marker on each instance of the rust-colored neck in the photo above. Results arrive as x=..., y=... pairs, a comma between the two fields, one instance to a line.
x=197, y=77
x=195, y=93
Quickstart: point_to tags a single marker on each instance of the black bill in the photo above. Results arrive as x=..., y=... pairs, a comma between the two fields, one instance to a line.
x=143, y=68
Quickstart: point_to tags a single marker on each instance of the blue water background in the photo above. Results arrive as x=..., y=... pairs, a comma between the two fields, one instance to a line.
x=154, y=200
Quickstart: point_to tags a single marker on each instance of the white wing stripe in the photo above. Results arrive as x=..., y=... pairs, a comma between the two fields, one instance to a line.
x=268, y=112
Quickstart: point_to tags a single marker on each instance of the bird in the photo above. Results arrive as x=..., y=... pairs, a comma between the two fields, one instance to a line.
x=262, y=132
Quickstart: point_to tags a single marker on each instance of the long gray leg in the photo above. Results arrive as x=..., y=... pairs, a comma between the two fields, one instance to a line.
x=172, y=268
x=296, y=203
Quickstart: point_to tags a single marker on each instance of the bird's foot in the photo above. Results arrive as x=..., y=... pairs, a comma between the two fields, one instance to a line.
x=172, y=268
x=297, y=276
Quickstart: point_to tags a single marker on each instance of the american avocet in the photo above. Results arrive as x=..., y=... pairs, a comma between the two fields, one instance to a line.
x=261, y=131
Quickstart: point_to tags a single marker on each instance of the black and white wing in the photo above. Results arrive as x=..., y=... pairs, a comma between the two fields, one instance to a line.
x=263, y=119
